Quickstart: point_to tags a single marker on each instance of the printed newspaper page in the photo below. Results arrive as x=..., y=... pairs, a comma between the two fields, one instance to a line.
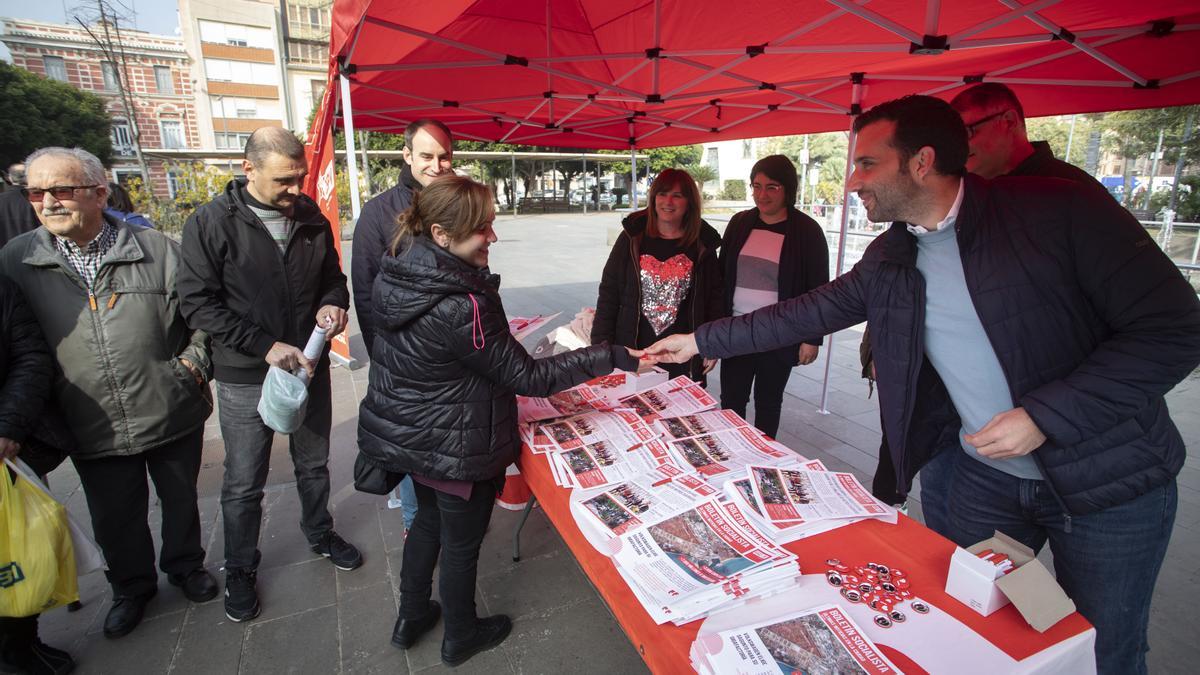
x=822, y=639
x=689, y=426
x=789, y=494
x=602, y=463
x=628, y=506
x=720, y=455
x=680, y=396
x=694, y=549
x=619, y=429
x=572, y=401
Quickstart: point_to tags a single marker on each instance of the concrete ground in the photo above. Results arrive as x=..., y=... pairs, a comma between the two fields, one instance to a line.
x=320, y=620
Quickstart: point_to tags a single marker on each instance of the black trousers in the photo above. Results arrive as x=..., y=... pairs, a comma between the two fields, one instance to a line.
x=768, y=375
x=453, y=527
x=118, y=495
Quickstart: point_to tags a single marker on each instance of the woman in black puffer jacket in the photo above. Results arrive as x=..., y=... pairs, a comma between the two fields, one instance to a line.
x=441, y=404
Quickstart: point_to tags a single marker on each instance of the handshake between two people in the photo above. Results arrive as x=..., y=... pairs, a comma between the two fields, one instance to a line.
x=679, y=348
x=291, y=358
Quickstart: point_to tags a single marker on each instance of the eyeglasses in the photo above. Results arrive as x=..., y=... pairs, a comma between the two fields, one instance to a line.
x=60, y=192
x=770, y=188
x=973, y=127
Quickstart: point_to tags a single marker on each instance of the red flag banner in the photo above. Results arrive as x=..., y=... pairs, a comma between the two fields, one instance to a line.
x=321, y=182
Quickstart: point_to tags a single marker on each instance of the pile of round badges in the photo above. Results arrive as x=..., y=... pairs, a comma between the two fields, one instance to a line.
x=877, y=586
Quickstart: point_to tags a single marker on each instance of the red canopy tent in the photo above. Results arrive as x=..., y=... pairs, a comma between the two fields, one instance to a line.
x=648, y=73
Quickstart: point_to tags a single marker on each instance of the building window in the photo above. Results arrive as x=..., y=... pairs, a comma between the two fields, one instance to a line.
x=122, y=138
x=713, y=158
x=747, y=149
x=232, y=141
x=308, y=52
x=109, y=69
x=307, y=22
x=163, y=81
x=56, y=68
x=223, y=70
x=173, y=184
x=172, y=134
x=317, y=87
x=235, y=35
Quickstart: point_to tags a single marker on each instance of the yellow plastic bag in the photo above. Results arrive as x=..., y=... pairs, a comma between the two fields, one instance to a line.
x=37, y=558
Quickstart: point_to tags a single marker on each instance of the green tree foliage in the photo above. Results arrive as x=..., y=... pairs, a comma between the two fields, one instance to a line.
x=734, y=190
x=1057, y=132
x=675, y=157
x=39, y=112
x=826, y=156
x=197, y=184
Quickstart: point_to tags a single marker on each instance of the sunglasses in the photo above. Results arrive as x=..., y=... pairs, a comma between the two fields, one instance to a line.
x=60, y=192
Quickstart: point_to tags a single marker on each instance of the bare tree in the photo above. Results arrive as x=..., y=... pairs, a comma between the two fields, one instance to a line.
x=102, y=22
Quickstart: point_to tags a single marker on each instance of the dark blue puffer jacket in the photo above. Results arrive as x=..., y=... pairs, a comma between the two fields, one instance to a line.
x=1091, y=322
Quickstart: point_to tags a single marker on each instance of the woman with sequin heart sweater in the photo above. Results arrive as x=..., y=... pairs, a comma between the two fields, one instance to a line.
x=662, y=276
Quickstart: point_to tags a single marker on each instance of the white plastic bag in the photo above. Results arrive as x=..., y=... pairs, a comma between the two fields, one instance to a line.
x=283, y=399
x=88, y=556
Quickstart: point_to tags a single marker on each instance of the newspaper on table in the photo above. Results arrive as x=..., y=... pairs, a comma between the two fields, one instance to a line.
x=680, y=396
x=721, y=455
x=700, y=424
x=521, y=326
x=573, y=401
x=794, y=493
x=603, y=463
x=697, y=560
x=740, y=492
x=822, y=639
x=620, y=384
x=620, y=429
x=606, y=513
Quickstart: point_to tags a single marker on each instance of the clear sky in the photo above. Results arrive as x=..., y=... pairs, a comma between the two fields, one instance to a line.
x=153, y=16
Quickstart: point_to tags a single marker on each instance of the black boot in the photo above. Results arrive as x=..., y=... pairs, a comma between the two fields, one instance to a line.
x=406, y=632
x=489, y=632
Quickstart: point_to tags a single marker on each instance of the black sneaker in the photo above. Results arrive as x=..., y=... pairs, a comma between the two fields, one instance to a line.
x=241, y=597
x=340, y=552
x=489, y=632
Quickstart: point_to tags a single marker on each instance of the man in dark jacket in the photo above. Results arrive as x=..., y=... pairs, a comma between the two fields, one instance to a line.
x=1040, y=325
x=997, y=146
x=132, y=378
x=428, y=151
x=26, y=372
x=260, y=270
x=16, y=214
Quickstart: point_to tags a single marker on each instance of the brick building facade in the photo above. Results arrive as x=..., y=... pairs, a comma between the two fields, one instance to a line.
x=157, y=76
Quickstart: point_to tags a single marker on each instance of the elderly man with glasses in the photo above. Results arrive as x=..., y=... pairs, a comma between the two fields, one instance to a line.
x=132, y=378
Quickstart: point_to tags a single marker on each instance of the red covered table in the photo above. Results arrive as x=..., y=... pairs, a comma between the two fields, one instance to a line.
x=922, y=553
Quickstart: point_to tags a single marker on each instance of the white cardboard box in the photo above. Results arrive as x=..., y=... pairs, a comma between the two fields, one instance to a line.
x=1030, y=586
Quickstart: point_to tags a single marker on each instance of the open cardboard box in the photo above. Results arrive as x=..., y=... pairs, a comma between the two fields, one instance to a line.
x=1030, y=586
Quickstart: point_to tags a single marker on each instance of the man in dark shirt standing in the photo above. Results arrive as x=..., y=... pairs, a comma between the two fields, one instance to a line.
x=428, y=151
x=999, y=143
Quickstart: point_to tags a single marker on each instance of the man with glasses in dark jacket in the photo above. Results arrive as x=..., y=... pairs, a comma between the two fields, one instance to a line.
x=260, y=271
x=1040, y=326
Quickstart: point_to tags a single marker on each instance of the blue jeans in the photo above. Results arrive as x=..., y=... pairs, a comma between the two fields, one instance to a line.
x=408, y=502
x=935, y=489
x=247, y=460
x=1107, y=562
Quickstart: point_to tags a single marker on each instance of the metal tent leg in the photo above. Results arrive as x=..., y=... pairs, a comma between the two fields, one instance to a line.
x=520, y=526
